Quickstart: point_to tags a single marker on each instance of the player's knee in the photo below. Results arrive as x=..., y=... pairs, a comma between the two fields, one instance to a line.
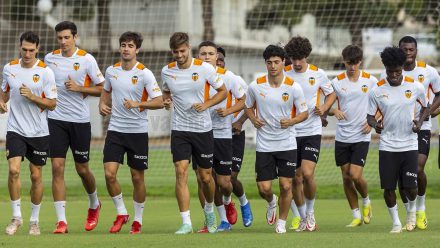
x=285, y=187
x=14, y=173
x=36, y=177
x=264, y=190
x=356, y=177
x=308, y=176
x=110, y=177
x=82, y=171
x=205, y=178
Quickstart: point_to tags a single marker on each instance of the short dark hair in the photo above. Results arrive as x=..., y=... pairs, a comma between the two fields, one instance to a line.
x=298, y=48
x=408, y=39
x=64, y=25
x=30, y=37
x=352, y=54
x=274, y=51
x=207, y=43
x=178, y=38
x=393, y=56
x=221, y=50
x=131, y=36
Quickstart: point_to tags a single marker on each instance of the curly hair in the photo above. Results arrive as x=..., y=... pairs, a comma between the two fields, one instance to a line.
x=393, y=56
x=352, y=54
x=273, y=51
x=298, y=48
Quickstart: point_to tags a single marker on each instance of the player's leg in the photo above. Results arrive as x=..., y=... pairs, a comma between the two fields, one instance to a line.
x=286, y=164
x=139, y=195
x=265, y=170
x=408, y=177
x=298, y=205
x=200, y=195
x=424, y=140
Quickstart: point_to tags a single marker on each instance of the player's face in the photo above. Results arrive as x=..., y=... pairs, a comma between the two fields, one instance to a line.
x=394, y=74
x=66, y=40
x=410, y=50
x=221, y=60
x=181, y=54
x=275, y=66
x=299, y=64
x=28, y=52
x=208, y=54
x=352, y=68
x=128, y=50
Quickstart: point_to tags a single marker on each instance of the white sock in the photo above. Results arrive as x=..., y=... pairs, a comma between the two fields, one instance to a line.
x=281, y=223
x=273, y=203
x=394, y=216
x=294, y=209
x=243, y=200
x=209, y=207
x=35, y=212
x=16, y=208
x=310, y=205
x=60, y=209
x=302, y=211
x=226, y=199
x=119, y=204
x=411, y=206
x=93, y=200
x=406, y=206
x=420, y=201
x=138, y=211
x=366, y=200
x=186, y=218
x=222, y=213
x=356, y=213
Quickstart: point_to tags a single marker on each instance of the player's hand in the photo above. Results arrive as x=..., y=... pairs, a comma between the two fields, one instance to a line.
x=236, y=127
x=319, y=110
x=71, y=85
x=129, y=104
x=26, y=92
x=104, y=110
x=339, y=114
x=416, y=126
x=222, y=112
x=3, y=108
x=167, y=103
x=366, y=129
x=258, y=123
x=285, y=123
x=435, y=112
x=199, y=107
x=379, y=127
x=324, y=121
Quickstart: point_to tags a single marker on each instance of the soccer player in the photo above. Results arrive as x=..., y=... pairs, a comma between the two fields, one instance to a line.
x=313, y=81
x=30, y=86
x=395, y=98
x=276, y=99
x=127, y=89
x=353, y=134
x=186, y=85
x=77, y=76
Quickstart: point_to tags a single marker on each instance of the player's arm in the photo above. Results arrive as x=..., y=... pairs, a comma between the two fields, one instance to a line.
x=155, y=103
x=238, y=125
x=216, y=99
x=105, y=103
x=372, y=112
x=43, y=103
x=4, y=98
x=424, y=112
x=73, y=86
x=223, y=112
x=250, y=109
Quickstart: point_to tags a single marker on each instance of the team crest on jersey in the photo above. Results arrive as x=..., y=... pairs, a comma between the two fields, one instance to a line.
x=312, y=81
x=76, y=66
x=285, y=96
x=195, y=76
x=408, y=94
x=134, y=80
x=364, y=88
x=421, y=78
x=36, y=78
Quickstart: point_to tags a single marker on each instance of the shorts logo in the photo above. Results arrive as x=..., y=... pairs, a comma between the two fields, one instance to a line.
x=226, y=162
x=410, y=174
x=76, y=66
x=206, y=155
x=311, y=149
x=421, y=78
x=140, y=157
x=36, y=78
x=40, y=153
x=364, y=88
x=7, y=153
x=285, y=96
x=291, y=164
x=195, y=76
x=312, y=81
x=408, y=94
x=236, y=159
x=81, y=153
x=134, y=80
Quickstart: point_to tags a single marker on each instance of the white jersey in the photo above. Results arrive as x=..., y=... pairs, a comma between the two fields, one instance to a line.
x=313, y=81
x=187, y=87
x=25, y=117
x=352, y=100
x=272, y=105
x=396, y=104
x=137, y=84
x=243, y=84
x=83, y=69
x=222, y=126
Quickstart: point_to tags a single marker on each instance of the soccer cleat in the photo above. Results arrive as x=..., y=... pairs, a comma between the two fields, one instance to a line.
x=311, y=222
x=184, y=229
x=280, y=229
x=13, y=226
x=295, y=223
x=355, y=223
x=61, y=228
x=34, y=228
x=302, y=225
x=421, y=220
x=224, y=226
x=204, y=229
x=121, y=219
x=246, y=215
x=271, y=213
x=410, y=221
x=367, y=213
x=92, y=218
x=211, y=222
x=396, y=229
x=231, y=213
x=135, y=228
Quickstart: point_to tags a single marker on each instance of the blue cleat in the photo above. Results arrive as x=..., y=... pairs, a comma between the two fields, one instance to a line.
x=224, y=226
x=246, y=214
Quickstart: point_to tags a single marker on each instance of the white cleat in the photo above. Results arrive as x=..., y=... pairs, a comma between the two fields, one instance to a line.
x=311, y=222
x=271, y=213
x=34, y=228
x=302, y=225
x=13, y=226
x=396, y=229
x=410, y=221
x=280, y=229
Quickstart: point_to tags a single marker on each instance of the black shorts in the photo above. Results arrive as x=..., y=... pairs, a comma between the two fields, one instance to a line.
x=134, y=144
x=424, y=138
x=238, y=144
x=222, y=161
x=64, y=134
x=35, y=149
x=398, y=167
x=308, y=148
x=351, y=153
x=200, y=146
x=271, y=165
